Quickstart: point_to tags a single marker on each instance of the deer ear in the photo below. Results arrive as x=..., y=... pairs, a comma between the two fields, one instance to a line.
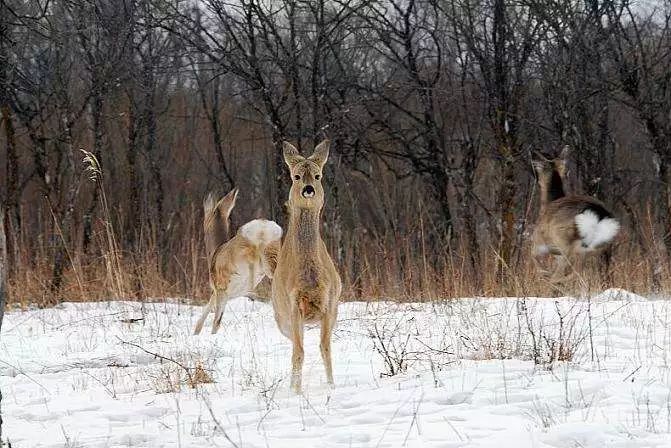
x=291, y=154
x=561, y=167
x=561, y=162
x=232, y=196
x=321, y=153
x=227, y=203
x=539, y=166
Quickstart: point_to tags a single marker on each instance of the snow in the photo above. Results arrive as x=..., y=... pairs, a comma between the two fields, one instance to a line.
x=86, y=375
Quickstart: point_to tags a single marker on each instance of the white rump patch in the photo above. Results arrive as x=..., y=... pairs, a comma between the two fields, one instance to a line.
x=541, y=249
x=261, y=231
x=595, y=232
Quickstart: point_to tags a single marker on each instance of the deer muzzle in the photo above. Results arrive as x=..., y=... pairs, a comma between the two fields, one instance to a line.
x=308, y=191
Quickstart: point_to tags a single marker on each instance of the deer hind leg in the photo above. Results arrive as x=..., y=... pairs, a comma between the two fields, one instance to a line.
x=219, y=308
x=605, y=271
x=236, y=285
x=564, y=270
x=206, y=311
x=297, y=354
x=269, y=258
x=327, y=324
x=252, y=281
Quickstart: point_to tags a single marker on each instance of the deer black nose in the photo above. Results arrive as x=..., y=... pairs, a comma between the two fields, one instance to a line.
x=308, y=191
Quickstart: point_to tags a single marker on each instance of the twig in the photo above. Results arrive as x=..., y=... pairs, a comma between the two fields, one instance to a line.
x=631, y=374
x=165, y=358
x=216, y=422
x=414, y=421
x=22, y=372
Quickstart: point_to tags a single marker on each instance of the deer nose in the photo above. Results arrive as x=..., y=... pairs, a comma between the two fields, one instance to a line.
x=308, y=191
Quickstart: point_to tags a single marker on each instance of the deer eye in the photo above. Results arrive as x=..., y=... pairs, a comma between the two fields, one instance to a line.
x=297, y=177
x=318, y=176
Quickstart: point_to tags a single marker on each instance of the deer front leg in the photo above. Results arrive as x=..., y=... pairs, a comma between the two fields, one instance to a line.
x=325, y=344
x=559, y=275
x=298, y=354
x=535, y=258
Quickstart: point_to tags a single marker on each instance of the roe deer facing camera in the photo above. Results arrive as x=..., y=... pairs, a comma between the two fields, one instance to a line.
x=306, y=285
x=236, y=266
x=569, y=226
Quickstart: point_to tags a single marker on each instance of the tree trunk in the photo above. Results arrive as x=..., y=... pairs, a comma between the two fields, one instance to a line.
x=507, y=204
x=65, y=227
x=216, y=133
x=469, y=227
x=133, y=222
x=3, y=287
x=13, y=222
x=282, y=181
x=665, y=180
x=504, y=126
x=149, y=121
x=134, y=218
x=441, y=186
x=96, y=113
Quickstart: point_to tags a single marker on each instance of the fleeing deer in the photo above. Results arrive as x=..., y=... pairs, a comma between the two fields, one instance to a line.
x=306, y=285
x=236, y=266
x=569, y=226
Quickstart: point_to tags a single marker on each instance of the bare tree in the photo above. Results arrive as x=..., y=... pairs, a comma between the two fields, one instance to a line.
x=407, y=39
x=642, y=54
x=13, y=182
x=209, y=82
x=432, y=108
x=244, y=38
x=501, y=38
x=573, y=75
x=103, y=30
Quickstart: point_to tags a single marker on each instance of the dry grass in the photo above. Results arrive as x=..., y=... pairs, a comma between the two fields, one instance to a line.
x=199, y=376
x=407, y=265
x=392, y=272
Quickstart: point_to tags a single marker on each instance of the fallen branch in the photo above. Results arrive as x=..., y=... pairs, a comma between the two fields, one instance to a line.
x=186, y=369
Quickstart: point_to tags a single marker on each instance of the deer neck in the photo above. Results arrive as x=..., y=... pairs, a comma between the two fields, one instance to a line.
x=551, y=188
x=304, y=230
x=543, y=186
x=556, y=186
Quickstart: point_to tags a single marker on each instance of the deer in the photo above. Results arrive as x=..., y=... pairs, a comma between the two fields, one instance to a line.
x=306, y=286
x=569, y=227
x=236, y=265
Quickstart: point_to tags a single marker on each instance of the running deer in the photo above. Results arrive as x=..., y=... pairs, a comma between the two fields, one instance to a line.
x=306, y=285
x=569, y=226
x=236, y=266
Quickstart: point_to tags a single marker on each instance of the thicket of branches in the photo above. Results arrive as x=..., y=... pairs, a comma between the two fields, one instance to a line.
x=434, y=108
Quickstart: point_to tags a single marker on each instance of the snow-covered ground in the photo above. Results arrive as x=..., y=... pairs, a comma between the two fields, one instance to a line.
x=115, y=375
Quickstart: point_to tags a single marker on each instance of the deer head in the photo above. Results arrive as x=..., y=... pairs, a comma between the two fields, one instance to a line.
x=551, y=175
x=306, y=176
